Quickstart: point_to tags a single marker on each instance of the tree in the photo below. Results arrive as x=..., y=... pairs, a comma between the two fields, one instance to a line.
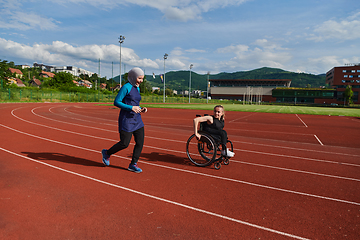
x=61, y=79
x=349, y=94
x=4, y=73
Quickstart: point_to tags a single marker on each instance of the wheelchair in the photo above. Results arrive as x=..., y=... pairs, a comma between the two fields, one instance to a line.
x=207, y=150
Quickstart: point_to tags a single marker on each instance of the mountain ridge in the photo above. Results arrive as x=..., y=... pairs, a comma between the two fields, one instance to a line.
x=179, y=80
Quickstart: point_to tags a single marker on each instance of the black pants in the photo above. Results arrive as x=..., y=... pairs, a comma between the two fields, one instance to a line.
x=221, y=133
x=125, y=138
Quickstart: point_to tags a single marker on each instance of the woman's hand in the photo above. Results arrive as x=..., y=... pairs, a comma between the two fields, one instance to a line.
x=198, y=136
x=136, y=109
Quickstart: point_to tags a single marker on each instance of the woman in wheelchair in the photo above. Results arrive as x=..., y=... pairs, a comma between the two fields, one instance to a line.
x=214, y=126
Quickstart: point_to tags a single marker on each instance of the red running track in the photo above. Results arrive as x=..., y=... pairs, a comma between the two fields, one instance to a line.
x=293, y=177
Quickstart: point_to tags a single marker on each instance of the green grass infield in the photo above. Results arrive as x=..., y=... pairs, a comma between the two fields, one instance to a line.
x=332, y=111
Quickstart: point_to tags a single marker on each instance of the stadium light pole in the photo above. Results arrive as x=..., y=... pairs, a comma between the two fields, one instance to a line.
x=121, y=40
x=207, y=89
x=190, y=82
x=165, y=57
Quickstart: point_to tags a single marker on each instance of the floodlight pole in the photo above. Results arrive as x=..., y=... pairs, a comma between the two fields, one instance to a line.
x=207, y=88
x=121, y=40
x=165, y=57
x=190, y=82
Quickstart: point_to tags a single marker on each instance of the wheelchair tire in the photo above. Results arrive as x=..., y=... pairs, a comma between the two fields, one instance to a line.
x=201, y=152
x=217, y=165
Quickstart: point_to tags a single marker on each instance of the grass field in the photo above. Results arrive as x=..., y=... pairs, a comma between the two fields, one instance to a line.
x=333, y=111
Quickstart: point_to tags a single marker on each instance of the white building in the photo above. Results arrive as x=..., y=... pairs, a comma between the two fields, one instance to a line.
x=73, y=70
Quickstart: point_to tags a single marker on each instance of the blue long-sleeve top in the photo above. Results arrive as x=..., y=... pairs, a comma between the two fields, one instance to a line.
x=128, y=97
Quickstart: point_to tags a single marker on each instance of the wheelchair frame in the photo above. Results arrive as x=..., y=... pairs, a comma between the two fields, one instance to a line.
x=205, y=148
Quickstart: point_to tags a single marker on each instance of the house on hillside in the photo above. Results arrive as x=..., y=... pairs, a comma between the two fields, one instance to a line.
x=47, y=74
x=35, y=82
x=103, y=86
x=44, y=67
x=76, y=83
x=117, y=87
x=18, y=73
x=16, y=81
x=23, y=66
x=19, y=83
x=85, y=83
x=153, y=89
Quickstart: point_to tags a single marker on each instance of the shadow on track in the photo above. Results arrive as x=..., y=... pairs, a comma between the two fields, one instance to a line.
x=161, y=157
x=48, y=156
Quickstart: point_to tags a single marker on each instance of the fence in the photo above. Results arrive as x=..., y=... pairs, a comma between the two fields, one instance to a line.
x=27, y=95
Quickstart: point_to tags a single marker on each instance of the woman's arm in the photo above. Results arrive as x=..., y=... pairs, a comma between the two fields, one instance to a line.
x=199, y=120
x=121, y=95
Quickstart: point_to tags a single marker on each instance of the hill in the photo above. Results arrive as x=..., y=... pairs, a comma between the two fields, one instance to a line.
x=179, y=80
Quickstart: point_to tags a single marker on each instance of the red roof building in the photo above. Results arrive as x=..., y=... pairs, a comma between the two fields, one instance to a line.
x=35, y=82
x=47, y=74
x=17, y=72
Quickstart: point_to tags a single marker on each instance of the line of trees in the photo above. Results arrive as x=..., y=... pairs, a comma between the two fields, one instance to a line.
x=62, y=81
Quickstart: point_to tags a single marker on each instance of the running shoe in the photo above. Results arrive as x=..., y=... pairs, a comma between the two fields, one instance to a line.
x=105, y=157
x=134, y=168
x=228, y=153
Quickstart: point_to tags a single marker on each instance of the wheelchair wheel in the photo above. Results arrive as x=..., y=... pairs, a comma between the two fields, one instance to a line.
x=217, y=165
x=201, y=152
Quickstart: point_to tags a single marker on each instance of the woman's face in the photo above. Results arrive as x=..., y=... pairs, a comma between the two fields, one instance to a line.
x=218, y=112
x=139, y=80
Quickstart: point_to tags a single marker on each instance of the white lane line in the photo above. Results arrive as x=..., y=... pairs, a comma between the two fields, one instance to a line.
x=319, y=140
x=295, y=170
x=297, y=149
x=192, y=172
x=159, y=198
x=302, y=158
x=301, y=120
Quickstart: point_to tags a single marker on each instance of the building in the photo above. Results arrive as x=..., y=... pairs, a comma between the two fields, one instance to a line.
x=44, y=67
x=340, y=77
x=103, y=86
x=23, y=66
x=155, y=88
x=35, y=82
x=17, y=72
x=75, y=71
x=246, y=89
x=47, y=74
x=304, y=95
x=16, y=81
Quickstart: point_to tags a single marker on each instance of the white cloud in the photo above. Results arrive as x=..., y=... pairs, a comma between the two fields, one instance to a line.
x=12, y=17
x=60, y=53
x=233, y=49
x=181, y=10
x=266, y=54
x=317, y=65
x=345, y=30
x=193, y=50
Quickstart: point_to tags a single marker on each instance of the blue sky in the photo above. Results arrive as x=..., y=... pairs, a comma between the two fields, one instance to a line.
x=215, y=36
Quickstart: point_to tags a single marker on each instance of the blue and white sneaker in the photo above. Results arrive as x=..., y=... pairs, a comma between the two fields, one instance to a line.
x=134, y=168
x=105, y=157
